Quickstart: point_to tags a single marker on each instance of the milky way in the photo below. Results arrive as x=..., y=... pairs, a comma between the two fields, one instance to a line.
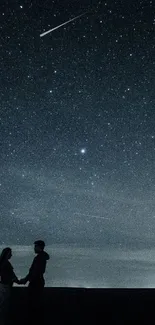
x=77, y=123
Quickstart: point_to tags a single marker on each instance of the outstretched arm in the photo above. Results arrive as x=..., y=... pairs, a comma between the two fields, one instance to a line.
x=37, y=269
x=25, y=280
x=28, y=276
x=15, y=279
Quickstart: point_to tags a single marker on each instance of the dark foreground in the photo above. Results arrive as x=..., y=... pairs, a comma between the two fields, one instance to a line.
x=80, y=306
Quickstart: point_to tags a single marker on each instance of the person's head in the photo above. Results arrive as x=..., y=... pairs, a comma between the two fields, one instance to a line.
x=5, y=255
x=39, y=246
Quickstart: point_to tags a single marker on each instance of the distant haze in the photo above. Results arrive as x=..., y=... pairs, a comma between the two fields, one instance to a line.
x=91, y=268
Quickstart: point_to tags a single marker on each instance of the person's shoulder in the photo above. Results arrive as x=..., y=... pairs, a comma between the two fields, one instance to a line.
x=43, y=256
x=46, y=255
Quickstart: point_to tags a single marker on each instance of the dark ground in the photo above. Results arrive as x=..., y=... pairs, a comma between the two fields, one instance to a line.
x=80, y=306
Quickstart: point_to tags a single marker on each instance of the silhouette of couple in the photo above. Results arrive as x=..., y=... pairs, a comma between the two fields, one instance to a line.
x=34, y=277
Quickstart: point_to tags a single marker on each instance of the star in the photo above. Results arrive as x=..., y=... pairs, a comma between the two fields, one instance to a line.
x=83, y=151
x=77, y=129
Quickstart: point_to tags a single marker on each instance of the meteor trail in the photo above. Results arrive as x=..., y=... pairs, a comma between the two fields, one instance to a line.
x=91, y=216
x=67, y=22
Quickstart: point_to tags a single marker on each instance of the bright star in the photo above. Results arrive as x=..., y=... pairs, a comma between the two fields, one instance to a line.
x=83, y=151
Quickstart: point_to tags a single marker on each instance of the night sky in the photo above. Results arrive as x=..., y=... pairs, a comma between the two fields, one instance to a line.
x=77, y=123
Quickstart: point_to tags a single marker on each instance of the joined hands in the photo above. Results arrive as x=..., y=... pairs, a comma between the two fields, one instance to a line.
x=22, y=281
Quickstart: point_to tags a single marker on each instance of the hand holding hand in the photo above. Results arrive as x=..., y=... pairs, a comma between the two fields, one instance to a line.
x=22, y=281
x=15, y=280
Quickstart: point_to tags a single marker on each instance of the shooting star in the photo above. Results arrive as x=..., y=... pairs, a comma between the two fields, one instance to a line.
x=67, y=22
x=91, y=216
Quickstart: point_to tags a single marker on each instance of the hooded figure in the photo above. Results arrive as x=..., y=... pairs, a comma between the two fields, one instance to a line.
x=38, y=267
x=36, y=285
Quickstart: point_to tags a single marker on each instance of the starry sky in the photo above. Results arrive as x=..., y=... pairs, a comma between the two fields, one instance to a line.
x=77, y=123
